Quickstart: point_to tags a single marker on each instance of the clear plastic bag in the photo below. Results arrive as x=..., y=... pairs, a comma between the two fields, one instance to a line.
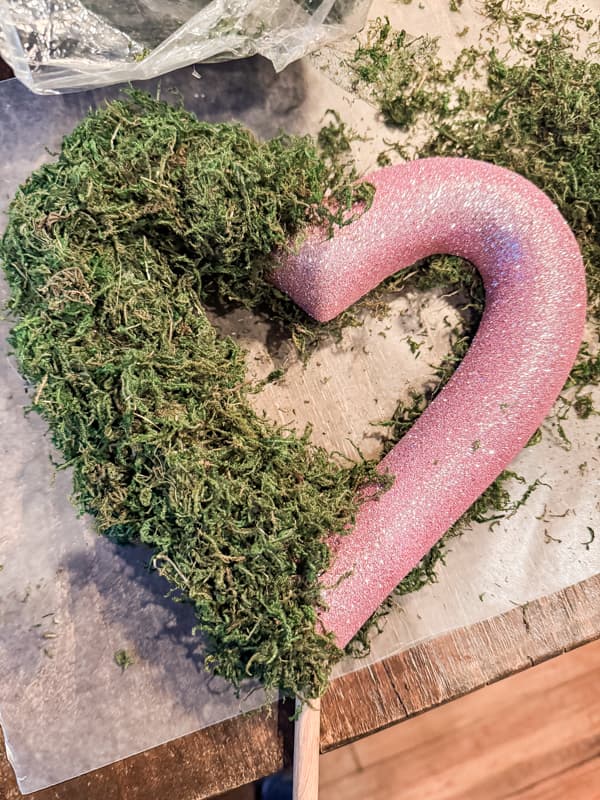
x=62, y=45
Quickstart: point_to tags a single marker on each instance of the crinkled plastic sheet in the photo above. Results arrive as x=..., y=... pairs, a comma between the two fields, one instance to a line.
x=70, y=599
x=58, y=45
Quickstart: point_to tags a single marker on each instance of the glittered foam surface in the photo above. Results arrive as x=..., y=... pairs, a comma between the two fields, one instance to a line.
x=517, y=364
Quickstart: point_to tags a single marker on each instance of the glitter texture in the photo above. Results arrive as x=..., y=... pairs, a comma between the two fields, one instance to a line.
x=518, y=362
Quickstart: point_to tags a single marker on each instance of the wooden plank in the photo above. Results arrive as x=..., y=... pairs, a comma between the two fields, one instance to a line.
x=504, y=741
x=193, y=767
x=305, y=785
x=246, y=748
x=578, y=783
x=459, y=662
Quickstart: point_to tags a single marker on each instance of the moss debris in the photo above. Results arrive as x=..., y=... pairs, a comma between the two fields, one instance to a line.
x=123, y=659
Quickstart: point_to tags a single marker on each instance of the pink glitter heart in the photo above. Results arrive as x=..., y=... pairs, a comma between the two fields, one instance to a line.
x=514, y=370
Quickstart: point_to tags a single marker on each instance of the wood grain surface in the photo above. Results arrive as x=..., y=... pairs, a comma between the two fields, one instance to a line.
x=459, y=662
x=306, y=751
x=246, y=748
x=533, y=735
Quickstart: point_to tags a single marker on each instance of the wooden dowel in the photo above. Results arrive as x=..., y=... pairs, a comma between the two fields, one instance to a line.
x=307, y=732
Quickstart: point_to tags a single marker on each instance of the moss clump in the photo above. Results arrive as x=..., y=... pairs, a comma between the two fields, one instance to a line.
x=110, y=253
x=123, y=659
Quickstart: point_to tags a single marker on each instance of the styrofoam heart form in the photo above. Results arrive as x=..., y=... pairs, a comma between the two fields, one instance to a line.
x=522, y=353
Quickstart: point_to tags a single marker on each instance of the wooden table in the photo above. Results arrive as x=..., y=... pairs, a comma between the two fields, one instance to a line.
x=243, y=749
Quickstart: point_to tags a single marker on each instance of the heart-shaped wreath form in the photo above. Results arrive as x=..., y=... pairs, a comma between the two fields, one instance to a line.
x=525, y=346
x=108, y=253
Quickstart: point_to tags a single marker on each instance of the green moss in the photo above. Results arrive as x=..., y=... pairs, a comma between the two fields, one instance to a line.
x=123, y=659
x=584, y=406
x=111, y=253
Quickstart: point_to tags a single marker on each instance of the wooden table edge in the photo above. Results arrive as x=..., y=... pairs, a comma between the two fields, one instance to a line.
x=243, y=749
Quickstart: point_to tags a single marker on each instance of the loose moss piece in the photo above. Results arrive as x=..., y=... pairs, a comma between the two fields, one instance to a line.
x=393, y=66
x=586, y=371
x=123, y=659
x=335, y=137
x=110, y=254
x=584, y=406
x=536, y=438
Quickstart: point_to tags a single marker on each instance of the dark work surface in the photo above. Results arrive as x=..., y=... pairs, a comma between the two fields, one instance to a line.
x=5, y=71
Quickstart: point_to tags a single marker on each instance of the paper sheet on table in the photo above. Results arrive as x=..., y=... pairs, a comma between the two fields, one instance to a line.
x=70, y=599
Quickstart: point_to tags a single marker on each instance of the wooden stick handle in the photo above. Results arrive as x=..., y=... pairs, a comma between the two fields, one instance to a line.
x=306, y=752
